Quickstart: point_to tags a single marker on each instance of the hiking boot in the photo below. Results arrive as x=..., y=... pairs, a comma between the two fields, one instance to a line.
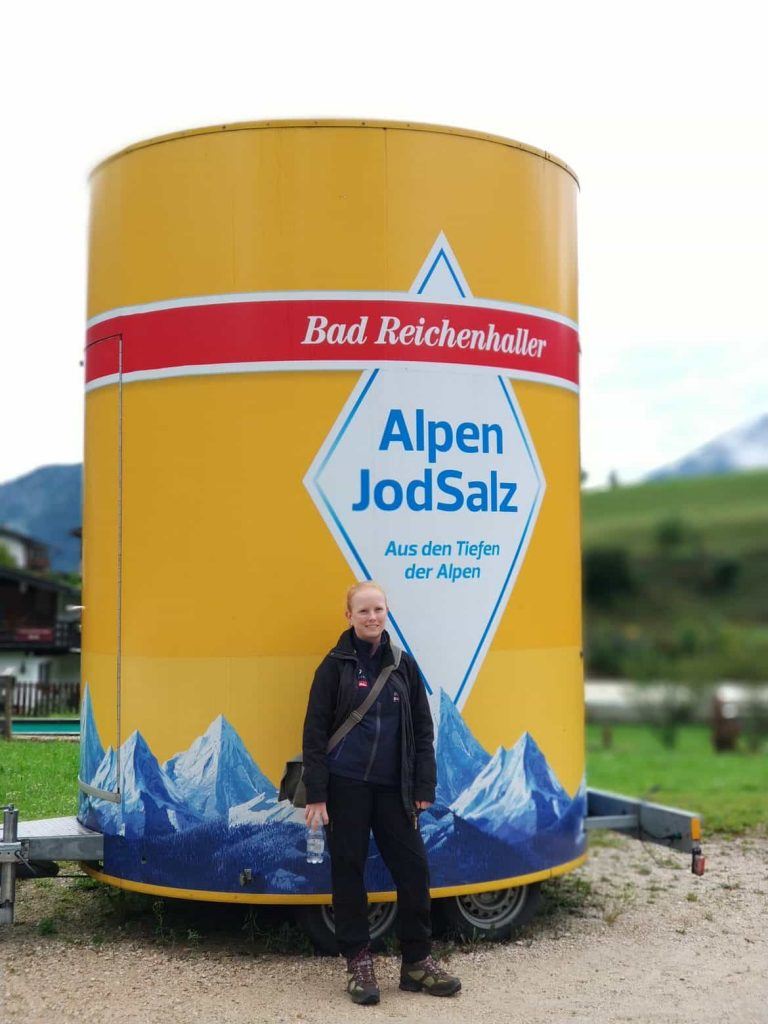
x=428, y=976
x=361, y=980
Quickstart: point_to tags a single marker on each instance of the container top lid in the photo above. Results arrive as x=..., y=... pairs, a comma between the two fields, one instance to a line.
x=338, y=123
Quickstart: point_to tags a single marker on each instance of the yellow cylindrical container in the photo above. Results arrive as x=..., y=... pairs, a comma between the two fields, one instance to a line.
x=320, y=352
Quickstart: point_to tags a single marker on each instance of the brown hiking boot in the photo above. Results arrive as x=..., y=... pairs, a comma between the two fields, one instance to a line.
x=428, y=976
x=361, y=980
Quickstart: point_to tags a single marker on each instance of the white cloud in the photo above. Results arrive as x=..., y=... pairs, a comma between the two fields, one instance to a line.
x=660, y=110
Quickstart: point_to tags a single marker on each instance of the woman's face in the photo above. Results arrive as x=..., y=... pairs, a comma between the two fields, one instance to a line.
x=368, y=614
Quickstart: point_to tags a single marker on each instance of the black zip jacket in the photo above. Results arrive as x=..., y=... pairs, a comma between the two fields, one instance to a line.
x=371, y=751
x=335, y=693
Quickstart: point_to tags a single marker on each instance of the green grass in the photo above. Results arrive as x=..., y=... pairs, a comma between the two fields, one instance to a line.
x=39, y=778
x=730, y=791
x=729, y=513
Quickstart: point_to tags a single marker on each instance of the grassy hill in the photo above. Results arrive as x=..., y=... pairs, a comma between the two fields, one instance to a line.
x=729, y=512
x=675, y=578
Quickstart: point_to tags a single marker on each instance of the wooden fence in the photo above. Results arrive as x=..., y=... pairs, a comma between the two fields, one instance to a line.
x=6, y=704
x=40, y=700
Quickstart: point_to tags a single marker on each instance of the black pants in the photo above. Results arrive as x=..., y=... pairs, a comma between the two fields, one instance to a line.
x=354, y=809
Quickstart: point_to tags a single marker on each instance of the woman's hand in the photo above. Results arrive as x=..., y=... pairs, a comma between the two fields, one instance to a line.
x=422, y=805
x=315, y=815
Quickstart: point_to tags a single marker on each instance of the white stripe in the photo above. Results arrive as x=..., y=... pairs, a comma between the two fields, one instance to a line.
x=319, y=364
x=102, y=382
x=224, y=300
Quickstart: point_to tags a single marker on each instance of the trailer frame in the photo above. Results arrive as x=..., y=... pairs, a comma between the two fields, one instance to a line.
x=47, y=840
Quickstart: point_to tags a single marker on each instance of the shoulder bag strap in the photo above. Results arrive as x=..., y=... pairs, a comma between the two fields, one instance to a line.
x=359, y=713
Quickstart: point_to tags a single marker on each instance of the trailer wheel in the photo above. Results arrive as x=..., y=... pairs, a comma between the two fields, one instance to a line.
x=319, y=925
x=489, y=915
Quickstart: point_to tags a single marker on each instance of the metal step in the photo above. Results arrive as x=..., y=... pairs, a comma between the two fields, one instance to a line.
x=59, y=839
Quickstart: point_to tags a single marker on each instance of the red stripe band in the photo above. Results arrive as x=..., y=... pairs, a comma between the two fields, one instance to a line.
x=302, y=334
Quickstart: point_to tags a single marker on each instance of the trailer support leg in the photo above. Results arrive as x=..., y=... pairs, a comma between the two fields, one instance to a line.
x=8, y=867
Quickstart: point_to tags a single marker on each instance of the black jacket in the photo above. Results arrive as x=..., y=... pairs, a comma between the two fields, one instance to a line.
x=334, y=694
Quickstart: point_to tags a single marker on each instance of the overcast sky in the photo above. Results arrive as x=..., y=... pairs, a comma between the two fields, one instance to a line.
x=659, y=107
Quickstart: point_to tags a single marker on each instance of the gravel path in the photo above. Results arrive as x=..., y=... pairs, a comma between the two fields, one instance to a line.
x=631, y=937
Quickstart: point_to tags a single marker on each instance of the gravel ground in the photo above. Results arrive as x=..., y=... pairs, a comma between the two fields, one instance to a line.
x=632, y=936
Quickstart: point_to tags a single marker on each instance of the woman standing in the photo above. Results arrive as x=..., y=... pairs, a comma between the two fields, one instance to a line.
x=377, y=777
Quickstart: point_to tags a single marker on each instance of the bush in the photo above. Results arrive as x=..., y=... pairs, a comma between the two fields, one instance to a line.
x=670, y=534
x=605, y=650
x=724, y=574
x=608, y=575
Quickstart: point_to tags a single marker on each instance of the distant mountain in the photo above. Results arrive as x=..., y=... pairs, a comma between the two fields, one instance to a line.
x=745, y=447
x=46, y=504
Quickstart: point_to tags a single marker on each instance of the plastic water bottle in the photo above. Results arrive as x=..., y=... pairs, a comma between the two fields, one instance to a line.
x=315, y=845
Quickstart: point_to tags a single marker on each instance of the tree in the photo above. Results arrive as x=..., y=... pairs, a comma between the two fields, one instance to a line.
x=607, y=575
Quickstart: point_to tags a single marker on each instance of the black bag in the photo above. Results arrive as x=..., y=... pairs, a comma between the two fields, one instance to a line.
x=292, y=783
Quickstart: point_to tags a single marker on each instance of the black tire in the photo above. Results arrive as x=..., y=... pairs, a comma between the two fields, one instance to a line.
x=317, y=922
x=488, y=915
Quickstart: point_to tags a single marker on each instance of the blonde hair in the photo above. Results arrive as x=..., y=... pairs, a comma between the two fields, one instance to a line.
x=366, y=584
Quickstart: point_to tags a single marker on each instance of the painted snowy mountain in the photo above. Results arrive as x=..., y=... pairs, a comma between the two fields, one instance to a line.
x=516, y=795
x=265, y=808
x=151, y=802
x=460, y=758
x=217, y=773
x=209, y=811
x=216, y=779
x=744, y=448
x=92, y=757
x=102, y=815
x=91, y=750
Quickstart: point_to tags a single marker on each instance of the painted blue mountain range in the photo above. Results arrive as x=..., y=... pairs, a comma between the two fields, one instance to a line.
x=217, y=772
x=208, y=812
x=91, y=750
x=460, y=758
